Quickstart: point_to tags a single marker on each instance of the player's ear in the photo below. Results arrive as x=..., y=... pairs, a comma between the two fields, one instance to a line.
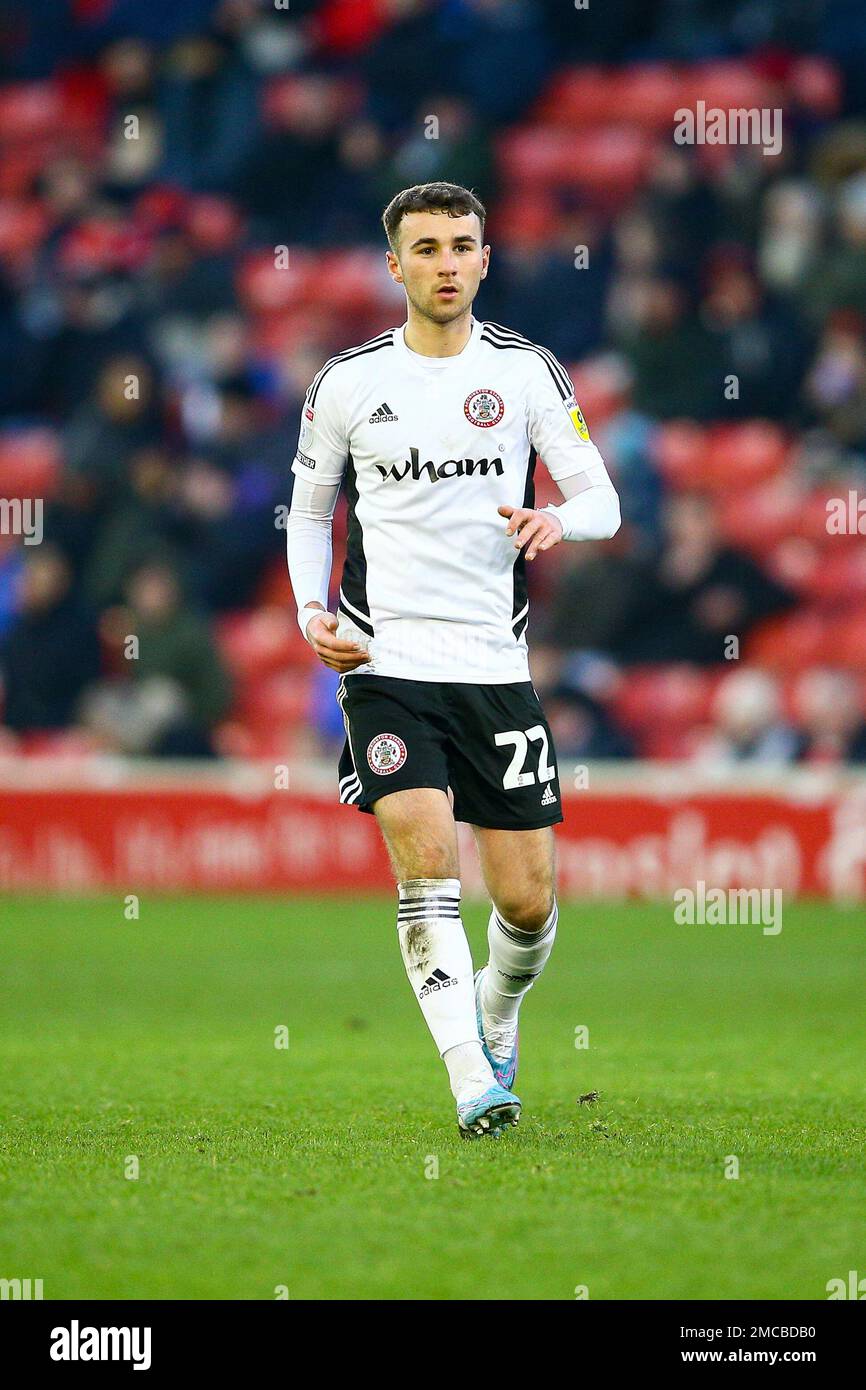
x=393, y=267
x=485, y=261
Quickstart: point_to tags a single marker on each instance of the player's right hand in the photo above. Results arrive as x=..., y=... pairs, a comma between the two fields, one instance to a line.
x=334, y=651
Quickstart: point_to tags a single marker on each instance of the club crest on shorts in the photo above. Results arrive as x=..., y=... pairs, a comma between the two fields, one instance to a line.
x=484, y=408
x=386, y=753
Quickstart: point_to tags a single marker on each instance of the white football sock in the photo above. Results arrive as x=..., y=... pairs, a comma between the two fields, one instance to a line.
x=439, y=965
x=517, y=958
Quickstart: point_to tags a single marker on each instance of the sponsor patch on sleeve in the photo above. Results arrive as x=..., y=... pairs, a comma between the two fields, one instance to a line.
x=305, y=460
x=576, y=416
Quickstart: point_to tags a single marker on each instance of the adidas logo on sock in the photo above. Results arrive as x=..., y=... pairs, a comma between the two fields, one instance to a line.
x=438, y=980
x=383, y=416
x=549, y=798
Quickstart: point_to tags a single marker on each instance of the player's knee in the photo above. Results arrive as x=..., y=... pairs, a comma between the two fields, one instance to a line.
x=527, y=909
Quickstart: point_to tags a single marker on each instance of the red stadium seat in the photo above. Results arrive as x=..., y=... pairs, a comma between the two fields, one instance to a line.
x=646, y=95
x=578, y=96
x=838, y=578
x=680, y=449
x=762, y=517
x=815, y=84
x=23, y=226
x=352, y=281
x=29, y=463
x=676, y=696
x=744, y=454
x=845, y=642
x=600, y=386
x=29, y=110
x=612, y=165
x=265, y=288
x=788, y=643
x=263, y=641
x=726, y=85
x=279, y=699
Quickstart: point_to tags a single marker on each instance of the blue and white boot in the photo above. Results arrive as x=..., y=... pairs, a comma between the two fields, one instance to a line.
x=500, y=1045
x=488, y=1113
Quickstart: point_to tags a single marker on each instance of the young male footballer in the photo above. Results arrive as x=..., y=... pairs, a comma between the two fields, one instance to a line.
x=434, y=427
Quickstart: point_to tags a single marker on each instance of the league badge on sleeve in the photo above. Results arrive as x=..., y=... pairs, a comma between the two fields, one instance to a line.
x=576, y=416
x=484, y=408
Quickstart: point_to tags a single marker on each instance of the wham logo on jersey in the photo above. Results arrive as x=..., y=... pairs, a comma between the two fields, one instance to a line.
x=452, y=468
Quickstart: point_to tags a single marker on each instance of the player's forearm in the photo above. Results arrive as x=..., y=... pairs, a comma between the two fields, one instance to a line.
x=309, y=546
x=590, y=511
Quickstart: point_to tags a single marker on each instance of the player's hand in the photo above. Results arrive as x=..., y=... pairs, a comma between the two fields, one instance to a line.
x=334, y=651
x=539, y=530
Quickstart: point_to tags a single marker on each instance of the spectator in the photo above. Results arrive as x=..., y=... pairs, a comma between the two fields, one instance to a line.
x=176, y=689
x=51, y=653
x=697, y=593
x=829, y=710
x=749, y=724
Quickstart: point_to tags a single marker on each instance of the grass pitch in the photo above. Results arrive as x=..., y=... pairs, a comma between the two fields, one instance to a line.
x=312, y=1167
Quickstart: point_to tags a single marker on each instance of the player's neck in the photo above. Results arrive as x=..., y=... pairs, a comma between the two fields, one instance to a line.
x=437, y=339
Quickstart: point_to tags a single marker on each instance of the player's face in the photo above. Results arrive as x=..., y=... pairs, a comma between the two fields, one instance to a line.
x=440, y=263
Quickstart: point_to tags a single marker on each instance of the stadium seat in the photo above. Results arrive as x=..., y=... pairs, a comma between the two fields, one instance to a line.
x=29, y=463
x=788, y=643
x=838, y=577
x=285, y=100
x=23, y=225
x=261, y=642
x=600, y=385
x=679, y=449
x=265, y=288
x=29, y=110
x=742, y=455
x=611, y=167
x=845, y=642
x=724, y=84
x=578, y=96
x=760, y=518
x=281, y=698
x=353, y=281
x=675, y=696
x=815, y=84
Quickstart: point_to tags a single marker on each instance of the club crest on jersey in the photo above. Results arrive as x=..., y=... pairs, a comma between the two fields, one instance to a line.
x=386, y=753
x=484, y=408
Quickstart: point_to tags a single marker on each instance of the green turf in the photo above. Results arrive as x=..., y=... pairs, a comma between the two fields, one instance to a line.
x=305, y=1167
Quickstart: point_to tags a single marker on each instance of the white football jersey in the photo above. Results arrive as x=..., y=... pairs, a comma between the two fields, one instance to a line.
x=429, y=448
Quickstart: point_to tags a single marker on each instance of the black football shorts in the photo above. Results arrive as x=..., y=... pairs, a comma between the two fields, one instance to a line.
x=489, y=744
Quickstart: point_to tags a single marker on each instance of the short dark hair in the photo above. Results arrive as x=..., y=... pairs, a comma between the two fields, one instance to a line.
x=431, y=197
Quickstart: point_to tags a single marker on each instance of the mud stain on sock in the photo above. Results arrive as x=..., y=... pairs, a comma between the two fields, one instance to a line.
x=417, y=944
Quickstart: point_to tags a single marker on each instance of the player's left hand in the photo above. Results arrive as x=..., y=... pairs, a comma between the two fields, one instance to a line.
x=538, y=529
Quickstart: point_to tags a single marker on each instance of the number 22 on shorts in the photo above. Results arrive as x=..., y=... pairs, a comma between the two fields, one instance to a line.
x=516, y=775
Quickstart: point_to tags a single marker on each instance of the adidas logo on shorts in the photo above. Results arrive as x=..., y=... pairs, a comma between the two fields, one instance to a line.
x=549, y=799
x=383, y=416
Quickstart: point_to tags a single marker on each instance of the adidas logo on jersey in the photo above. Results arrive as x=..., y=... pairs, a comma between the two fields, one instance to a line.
x=383, y=416
x=549, y=798
x=438, y=980
x=451, y=468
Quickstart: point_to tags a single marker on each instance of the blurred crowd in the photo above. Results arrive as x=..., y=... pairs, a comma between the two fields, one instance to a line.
x=190, y=202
